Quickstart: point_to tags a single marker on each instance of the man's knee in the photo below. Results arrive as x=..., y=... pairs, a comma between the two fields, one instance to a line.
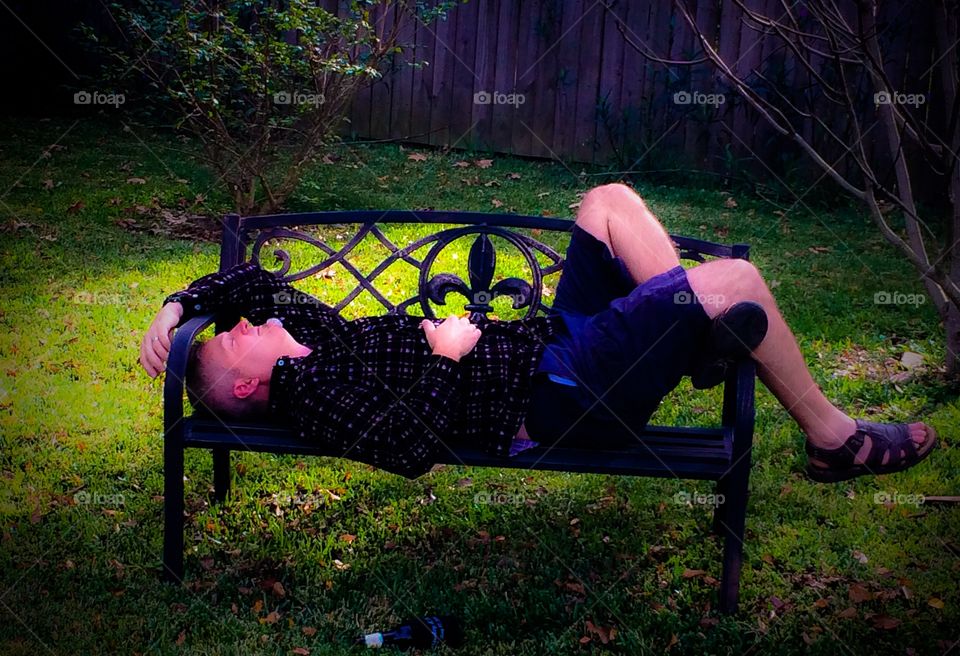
x=601, y=204
x=743, y=270
x=608, y=194
x=744, y=280
x=728, y=281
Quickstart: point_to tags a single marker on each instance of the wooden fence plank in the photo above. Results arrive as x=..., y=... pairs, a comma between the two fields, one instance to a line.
x=611, y=76
x=504, y=114
x=401, y=73
x=382, y=90
x=588, y=81
x=545, y=72
x=485, y=69
x=422, y=91
x=464, y=76
x=441, y=96
x=529, y=47
x=568, y=48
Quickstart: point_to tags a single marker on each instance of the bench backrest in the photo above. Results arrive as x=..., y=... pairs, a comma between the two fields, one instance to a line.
x=259, y=238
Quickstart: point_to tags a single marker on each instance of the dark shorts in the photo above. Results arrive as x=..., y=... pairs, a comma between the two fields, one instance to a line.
x=627, y=346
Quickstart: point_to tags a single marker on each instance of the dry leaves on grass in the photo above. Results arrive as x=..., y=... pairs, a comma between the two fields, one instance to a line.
x=604, y=633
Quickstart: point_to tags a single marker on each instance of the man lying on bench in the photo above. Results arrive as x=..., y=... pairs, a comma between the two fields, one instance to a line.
x=630, y=322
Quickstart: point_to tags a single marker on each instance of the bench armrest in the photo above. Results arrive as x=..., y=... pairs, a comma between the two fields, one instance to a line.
x=174, y=385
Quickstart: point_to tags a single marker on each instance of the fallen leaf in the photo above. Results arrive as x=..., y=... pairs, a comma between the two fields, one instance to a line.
x=848, y=613
x=278, y=590
x=301, y=651
x=496, y=202
x=935, y=602
x=885, y=622
x=48, y=184
x=730, y=203
x=272, y=617
x=692, y=573
x=484, y=163
x=347, y=537
x=76, y=207
x=859, y=594
x=309, y=631
x=606, y=634
x=860, y=557
x=514, y=176
x=461, y=164
x=417, y=157
x=136, y=181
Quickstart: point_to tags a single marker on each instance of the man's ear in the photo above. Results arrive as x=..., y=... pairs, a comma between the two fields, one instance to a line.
x=244, y=387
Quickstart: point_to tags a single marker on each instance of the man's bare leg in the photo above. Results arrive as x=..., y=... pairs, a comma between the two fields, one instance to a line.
x=616, y=215
x=722, y=283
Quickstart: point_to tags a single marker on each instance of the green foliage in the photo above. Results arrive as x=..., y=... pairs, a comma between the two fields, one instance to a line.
x=262, y=84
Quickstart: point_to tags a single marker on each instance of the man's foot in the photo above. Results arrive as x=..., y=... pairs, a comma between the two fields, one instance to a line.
x=734, y=334
x=873, y=448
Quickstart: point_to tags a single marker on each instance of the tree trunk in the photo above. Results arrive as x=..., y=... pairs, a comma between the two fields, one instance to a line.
x=952, y=325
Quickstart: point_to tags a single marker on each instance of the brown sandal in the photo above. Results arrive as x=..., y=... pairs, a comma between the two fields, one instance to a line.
x=884, y=438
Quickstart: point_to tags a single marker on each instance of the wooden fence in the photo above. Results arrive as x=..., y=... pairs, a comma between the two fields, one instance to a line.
x=556, y=79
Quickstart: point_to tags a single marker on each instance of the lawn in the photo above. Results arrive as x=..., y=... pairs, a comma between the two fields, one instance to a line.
x=100, y=223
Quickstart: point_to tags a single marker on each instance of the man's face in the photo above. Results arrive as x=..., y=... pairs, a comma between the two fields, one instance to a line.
x=252, y=350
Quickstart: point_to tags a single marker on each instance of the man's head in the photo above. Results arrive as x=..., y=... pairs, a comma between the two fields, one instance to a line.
x=229, y=374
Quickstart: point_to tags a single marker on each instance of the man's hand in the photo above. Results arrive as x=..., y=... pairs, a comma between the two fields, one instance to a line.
x=453, y=338
x=156, y=342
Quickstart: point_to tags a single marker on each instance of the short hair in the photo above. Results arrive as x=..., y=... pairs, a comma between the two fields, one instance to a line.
x=207, y=391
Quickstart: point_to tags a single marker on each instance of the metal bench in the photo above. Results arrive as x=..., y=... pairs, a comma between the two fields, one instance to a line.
x=719, y=454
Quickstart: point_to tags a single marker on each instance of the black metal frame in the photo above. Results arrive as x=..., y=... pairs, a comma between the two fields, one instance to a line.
x=721, y=454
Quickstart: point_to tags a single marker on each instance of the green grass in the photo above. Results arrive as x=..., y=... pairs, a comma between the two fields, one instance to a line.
x=81, y=445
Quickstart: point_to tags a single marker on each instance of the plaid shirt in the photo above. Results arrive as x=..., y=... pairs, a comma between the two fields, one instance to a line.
x=371, y=389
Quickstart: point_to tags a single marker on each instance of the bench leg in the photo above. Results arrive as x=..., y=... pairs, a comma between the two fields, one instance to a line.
x=732, y=521
x=719, y=516
x=172, y=511
x=221, y=474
